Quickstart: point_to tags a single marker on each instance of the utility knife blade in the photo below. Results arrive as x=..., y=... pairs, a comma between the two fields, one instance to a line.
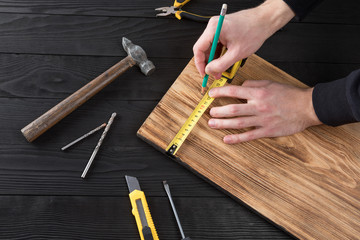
x=140, y=210
x=133, y=183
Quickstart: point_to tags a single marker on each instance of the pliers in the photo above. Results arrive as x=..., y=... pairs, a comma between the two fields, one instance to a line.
x=179, y=13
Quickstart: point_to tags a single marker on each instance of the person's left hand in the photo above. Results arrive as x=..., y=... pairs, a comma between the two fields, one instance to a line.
x=272, y=109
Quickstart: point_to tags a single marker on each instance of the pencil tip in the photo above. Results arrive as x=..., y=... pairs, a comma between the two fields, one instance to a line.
x=202, y=90
x=223, y=9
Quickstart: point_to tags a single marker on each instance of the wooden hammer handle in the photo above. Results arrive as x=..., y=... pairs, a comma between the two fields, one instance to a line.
x=34, y=129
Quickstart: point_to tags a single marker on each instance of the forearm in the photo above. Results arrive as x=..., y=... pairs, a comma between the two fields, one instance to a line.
x=274, y=14
x=338, y=102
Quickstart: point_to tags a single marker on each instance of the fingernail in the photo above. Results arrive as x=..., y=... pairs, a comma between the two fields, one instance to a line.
x=207, y=70
x=211, y=123
x=228, y=139
x=211, y=93
x=211, y=112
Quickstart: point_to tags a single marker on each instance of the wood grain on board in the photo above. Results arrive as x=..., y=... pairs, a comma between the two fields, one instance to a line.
x=307, y=183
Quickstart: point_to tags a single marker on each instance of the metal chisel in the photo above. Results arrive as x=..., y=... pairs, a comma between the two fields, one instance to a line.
x=140, y=210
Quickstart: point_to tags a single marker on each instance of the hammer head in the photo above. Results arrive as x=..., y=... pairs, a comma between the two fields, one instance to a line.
x=139, y=55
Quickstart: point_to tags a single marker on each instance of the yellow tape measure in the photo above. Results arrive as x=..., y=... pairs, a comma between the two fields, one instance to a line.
x=185, y=130
x=204, y=103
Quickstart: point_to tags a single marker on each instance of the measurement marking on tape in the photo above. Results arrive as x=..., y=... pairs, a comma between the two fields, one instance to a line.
x=190, y=123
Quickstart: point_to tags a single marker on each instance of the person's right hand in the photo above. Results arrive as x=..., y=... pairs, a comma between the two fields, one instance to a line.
x=242, y=33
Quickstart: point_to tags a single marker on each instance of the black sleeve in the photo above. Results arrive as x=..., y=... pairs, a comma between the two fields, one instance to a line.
x=338, y=102
x=302, y=7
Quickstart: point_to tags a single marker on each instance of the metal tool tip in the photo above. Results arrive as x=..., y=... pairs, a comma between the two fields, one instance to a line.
x=161, y=9
x=223, y=9
x=166, y=186
x=113, y=114
x=125, y=40
x=129, y=178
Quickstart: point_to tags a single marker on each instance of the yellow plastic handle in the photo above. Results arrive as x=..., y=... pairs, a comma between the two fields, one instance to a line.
x=230, y=73
x=136, y=195
x=180, y=3
x=191, y=16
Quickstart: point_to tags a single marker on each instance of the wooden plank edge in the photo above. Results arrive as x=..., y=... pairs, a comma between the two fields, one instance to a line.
x=188, y=167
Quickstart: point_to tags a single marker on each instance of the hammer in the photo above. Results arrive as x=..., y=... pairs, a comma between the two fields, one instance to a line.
x=136, y=55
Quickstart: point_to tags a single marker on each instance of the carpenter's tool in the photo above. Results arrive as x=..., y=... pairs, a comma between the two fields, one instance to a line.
x=140, y=210
x=108, y=125
x=204, y=103
x=83, y=136
x=179, y=13
x=214, y=43
x=136, y=55
x=167, y=189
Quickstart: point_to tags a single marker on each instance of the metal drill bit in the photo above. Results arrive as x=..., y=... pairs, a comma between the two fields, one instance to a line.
x=83, y=136
x=83, y=175
x=167, y=189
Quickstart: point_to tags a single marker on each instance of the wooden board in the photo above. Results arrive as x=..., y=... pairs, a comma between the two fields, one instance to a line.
x=307, y=183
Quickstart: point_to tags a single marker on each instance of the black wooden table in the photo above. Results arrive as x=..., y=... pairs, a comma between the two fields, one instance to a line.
x=49, y=49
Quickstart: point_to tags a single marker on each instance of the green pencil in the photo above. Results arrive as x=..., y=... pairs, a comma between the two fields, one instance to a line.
x=214, y=43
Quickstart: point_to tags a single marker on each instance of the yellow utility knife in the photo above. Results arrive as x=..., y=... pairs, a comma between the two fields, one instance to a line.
x=141, y=210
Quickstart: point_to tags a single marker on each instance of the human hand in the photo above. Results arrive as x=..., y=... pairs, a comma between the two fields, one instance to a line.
x=242, y=33
x=272, y=110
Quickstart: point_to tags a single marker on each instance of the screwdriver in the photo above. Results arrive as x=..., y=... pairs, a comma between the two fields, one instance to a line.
x=167, y=189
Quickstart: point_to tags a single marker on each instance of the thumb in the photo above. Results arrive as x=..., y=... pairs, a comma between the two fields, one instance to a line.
x=221, y=64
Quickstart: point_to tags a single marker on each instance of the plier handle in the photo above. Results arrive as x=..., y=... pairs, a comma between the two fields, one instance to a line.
x=180, y=3
x=179, y=13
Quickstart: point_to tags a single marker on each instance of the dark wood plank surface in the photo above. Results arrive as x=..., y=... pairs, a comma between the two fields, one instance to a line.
x=49, y=49
x=329, y=12
x=68, y=217
x=101, y=36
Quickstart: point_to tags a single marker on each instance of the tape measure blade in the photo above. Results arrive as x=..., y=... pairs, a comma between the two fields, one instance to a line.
x=194, y=117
